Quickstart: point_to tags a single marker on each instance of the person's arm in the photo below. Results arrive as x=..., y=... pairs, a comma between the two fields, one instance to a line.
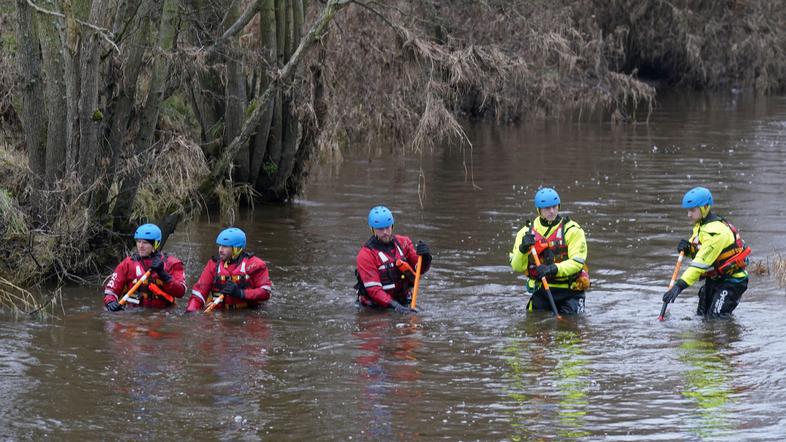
x=577, y=252
x=712, y=243
x=260, y=287
x=202, y=288
x=115, y=288
x=369, y=276
x=519, y=261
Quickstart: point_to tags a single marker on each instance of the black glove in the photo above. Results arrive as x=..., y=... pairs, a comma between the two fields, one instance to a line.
x=231, y=289
x=546, y=270
x=527, y=241
x=157, y=265
x=422, y=249
x=113, y=306
x=684, y=246
x=401, y=308
x=675, y=291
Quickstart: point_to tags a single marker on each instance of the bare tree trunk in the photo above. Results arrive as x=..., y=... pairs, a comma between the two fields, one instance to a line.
x=90, y=116
x=57, y=136
x=291, y=125
x=149, y=114
x=235, y=97
x=122, y=78
x=316, y=31
x=33, y=113
x=267, y=32
x=71, y=36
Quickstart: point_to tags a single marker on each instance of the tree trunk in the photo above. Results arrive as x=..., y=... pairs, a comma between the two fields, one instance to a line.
x=267, y=32
x=33, y=113
x=90, y=116
x=222, y=165
x=56, y=107
x=71, y=36
x=235, y=96
x=149, y=114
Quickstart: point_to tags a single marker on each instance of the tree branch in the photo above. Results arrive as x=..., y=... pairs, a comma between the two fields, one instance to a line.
x=105, y=33
x=316, y=31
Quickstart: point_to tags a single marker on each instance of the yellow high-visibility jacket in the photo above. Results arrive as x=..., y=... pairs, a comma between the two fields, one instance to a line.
x=568, y=269
x=711, y=236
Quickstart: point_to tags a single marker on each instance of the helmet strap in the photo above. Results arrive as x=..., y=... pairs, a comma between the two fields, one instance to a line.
x=156, y=245
x=705, y=210
x=236, y=251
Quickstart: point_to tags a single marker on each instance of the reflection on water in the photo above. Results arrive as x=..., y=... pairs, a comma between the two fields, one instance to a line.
x=550, y=379
x=710, y=376
x=389, y=370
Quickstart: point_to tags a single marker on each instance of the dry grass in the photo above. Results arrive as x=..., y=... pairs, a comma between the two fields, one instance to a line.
x=777, y=269
x=21, y=303
x=170, y=186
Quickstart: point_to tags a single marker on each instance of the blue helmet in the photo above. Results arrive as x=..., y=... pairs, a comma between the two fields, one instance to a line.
x=546, y=197
x=232, y=237
x=148, y=232
x=380, y=217
x=697, y=197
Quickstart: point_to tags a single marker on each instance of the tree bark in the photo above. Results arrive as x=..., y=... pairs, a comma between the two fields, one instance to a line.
x=33, y=113
x=90, y=116
x=235, y=96
x=267, y=32
x=52, y=48
x=149, y=114
x=222, y=165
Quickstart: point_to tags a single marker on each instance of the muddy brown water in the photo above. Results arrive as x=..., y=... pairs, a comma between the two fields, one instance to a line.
x=473, y=365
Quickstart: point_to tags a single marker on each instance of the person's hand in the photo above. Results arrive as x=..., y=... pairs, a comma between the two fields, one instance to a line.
x=684, y=247
x=422, y=249
x=527, y=241
x=194, y=305
x=546, y=270
x=157, y=265
x=402, y=308
x=231, y=289
x=675, y=291
x=113, y=306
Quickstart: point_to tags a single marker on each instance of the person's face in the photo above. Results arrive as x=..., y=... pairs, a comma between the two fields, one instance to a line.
x=694, y=214
x=384, y=235
x=144, y=248
x=549, y=213
x=225, y=253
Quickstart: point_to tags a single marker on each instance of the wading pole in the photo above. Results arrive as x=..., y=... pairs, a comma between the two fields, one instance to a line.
x=214, y=304
x=417, y=281
x=671, y=284
x=125, y=297
x=545, y=284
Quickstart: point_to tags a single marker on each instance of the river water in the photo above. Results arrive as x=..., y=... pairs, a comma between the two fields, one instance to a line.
x=473, y=365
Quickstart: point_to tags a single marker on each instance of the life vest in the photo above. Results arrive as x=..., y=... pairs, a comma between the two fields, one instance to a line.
x=732, y=259
x=239, y=277
x=150, y=287
x=554, y=249
x=392, y=269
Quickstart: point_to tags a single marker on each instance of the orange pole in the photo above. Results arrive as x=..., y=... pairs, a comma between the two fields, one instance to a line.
x=545, y=284
x=214, y=304
x=125, y=297
x=671, y=284
x=417, y=282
